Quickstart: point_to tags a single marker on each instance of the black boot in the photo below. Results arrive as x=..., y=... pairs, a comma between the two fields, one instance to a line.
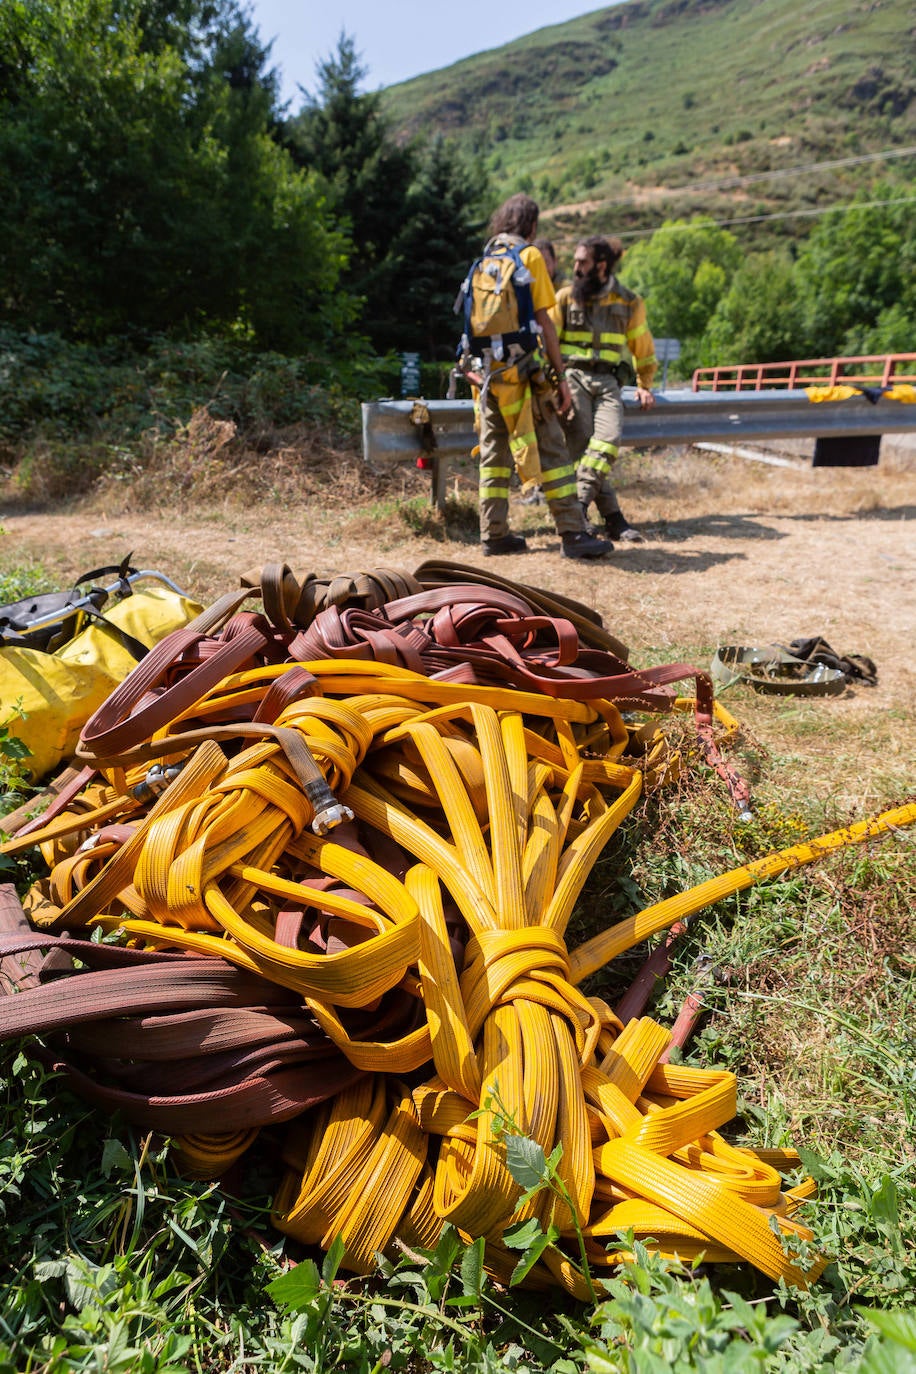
x=584, y=545
x=508, y=543
x=619, y=527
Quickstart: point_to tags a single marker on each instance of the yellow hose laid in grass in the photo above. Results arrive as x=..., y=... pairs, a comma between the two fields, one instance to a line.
x=502, y=801
x=594, y=954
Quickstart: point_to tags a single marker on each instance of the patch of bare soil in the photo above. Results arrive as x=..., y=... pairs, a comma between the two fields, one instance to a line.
x=736, y=552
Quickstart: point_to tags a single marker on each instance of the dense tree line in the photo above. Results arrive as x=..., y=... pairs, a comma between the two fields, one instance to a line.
x=415, y=214
x=152, y=183
x=848, y=288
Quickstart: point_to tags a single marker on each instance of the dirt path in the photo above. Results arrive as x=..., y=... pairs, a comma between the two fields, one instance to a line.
x=737, y=552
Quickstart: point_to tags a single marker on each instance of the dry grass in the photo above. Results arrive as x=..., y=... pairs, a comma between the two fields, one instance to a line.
x=736, y=552
x=209, y=465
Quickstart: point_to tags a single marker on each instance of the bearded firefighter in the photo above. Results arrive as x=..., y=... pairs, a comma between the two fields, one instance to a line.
x=596, y=316
x=506, y=299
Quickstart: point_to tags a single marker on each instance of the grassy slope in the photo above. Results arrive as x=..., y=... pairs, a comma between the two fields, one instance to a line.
x=663, y=93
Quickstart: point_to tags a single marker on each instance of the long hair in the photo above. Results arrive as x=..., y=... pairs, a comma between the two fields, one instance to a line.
x=608, y=251
x=517, y=215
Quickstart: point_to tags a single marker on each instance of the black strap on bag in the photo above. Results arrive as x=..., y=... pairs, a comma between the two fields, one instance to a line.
x=50, y=620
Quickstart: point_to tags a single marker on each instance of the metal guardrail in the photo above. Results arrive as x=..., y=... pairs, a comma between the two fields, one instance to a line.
x=399, y=431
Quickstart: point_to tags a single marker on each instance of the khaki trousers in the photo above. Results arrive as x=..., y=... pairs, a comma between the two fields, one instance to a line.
x=558, y=474
x=593, y=436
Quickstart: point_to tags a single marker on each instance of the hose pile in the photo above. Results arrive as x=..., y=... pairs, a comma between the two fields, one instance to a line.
x=344, y=887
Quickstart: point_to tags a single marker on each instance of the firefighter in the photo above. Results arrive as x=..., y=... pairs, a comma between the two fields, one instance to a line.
x=549, y=254
x=518, y=421
x=595, y=316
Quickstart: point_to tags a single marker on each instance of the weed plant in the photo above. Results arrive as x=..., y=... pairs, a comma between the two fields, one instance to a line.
x=73, y=415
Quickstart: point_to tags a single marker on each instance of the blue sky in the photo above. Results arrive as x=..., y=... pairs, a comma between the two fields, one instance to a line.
x=397, y=38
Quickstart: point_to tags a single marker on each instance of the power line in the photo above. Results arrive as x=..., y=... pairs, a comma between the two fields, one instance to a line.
x=726, y=183
x=732, y=183
x=759, y=219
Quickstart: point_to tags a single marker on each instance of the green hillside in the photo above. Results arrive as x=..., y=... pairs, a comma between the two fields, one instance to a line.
x=653, y=109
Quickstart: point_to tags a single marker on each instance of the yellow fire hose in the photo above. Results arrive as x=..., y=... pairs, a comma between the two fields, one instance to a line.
x=502, y=801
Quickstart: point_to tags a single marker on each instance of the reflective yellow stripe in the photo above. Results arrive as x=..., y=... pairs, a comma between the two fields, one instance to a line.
x=555, y=474
x=608, y=339
x=595, y=463
x=515, y=405
x=523, y=441
x=559, y=481
x=602, y=446
x=487, y=491
x=638, y=331
x=606, y=355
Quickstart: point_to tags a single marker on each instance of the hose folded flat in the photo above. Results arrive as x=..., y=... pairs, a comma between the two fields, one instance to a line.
x=418, y=997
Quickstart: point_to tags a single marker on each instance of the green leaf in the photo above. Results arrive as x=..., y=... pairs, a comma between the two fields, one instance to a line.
x=472, y=1268
x=883, y=1204
x=85, y=1284
x=183, y=1236
x=887, y=1359
x=531, y=1256
x=14, y=748
x=332, y=1260
x=521, y=1234
x=526, y=1161
x=298, y=1288
x=49, y=1269
x=446, y=1251
x=115, y=1157
x=599, y=1362
x=897, y=1326
x=819, y=1169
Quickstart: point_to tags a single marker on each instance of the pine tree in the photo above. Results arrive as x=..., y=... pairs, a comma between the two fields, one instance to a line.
x=440, y=236
x=342, y=135
x=411, y=209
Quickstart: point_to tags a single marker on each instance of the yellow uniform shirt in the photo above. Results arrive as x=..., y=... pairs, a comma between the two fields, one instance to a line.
x=543, y=296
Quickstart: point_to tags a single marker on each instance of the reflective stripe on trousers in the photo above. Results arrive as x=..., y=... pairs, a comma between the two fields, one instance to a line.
x=593, y=435
x=557, y=473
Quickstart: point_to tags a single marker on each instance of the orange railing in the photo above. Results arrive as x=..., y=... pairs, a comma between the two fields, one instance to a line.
x=872, y=369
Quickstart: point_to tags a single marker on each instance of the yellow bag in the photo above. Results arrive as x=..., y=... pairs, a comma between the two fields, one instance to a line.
x=47, y=698
x=148, y=614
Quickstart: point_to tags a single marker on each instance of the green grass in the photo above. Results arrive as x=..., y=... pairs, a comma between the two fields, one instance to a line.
x=20, y=581
x=457, y=521
x=665, y=94
x=112, y=1263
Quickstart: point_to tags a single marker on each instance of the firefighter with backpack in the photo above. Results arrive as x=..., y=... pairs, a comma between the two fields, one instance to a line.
x=506, y=299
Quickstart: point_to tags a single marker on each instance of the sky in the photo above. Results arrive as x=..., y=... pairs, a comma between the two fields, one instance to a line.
x=396, y=38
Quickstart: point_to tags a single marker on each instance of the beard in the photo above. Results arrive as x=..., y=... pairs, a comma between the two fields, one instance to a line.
x=586, y=288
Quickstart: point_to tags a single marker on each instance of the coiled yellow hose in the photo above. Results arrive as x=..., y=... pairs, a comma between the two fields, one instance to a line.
x=502, y=801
